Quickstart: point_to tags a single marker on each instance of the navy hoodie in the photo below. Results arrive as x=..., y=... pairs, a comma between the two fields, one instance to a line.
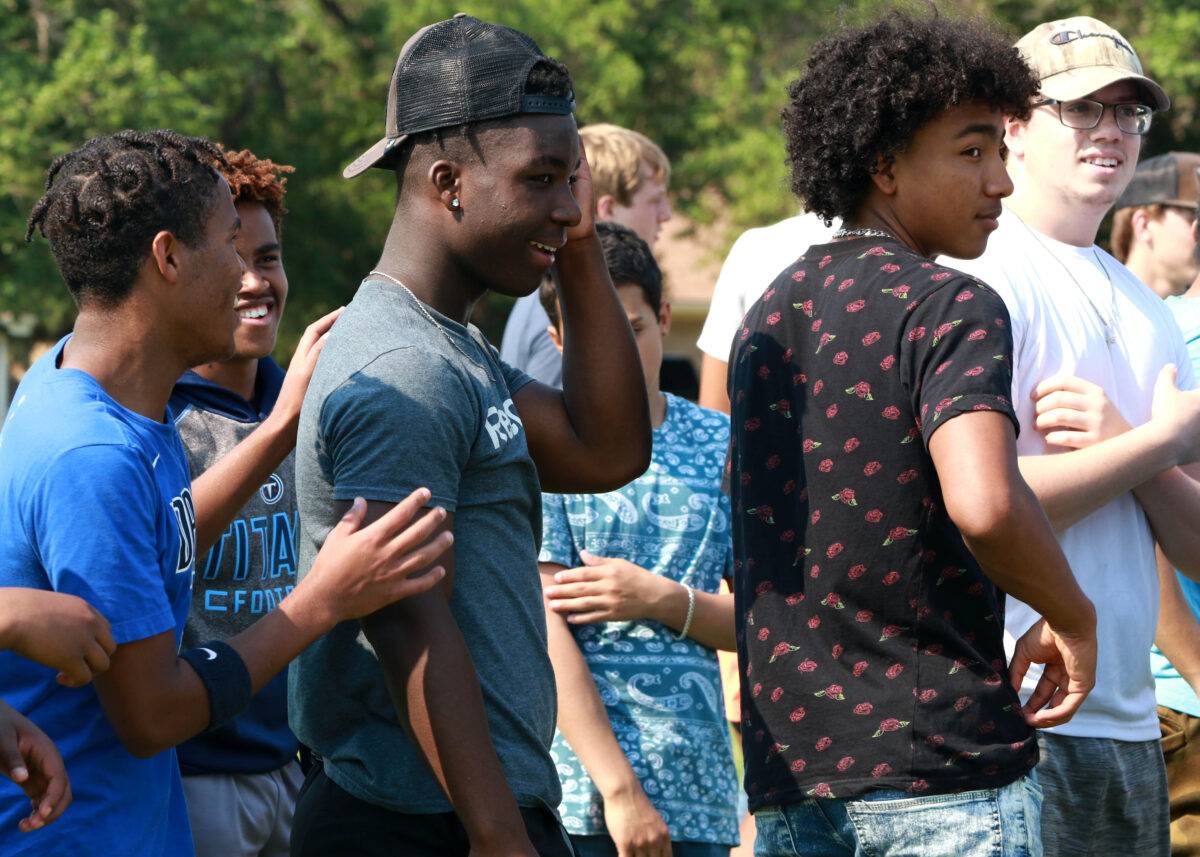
x=245, y=574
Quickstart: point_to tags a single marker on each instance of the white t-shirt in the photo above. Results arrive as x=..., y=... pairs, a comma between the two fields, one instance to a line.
x=1057, y=331
x=753, y=263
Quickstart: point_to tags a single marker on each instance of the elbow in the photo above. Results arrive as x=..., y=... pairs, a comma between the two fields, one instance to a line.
x=987, y=517
x=142, y=740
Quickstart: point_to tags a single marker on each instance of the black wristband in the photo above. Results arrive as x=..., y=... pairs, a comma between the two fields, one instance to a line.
x=225, y=677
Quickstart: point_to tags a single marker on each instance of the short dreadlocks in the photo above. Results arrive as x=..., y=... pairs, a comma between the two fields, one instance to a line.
x=106, y=200
x=254, y=179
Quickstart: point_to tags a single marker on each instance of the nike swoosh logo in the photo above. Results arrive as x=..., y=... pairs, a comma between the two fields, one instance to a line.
x=212, y=656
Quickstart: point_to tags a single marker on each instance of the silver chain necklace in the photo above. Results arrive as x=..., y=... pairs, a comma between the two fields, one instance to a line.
x=421, y=308
x=1109, y=324
x=861, y=232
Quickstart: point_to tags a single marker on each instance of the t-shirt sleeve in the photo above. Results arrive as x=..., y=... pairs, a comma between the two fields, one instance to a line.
x=558, y=546
x=956, y=354
x=406, y=420
x=98, y=537
x=727, y=307
x=1186, y=379
x=514, y=378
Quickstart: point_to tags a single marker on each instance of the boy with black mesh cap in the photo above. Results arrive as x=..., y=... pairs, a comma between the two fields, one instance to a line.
x=492, y=191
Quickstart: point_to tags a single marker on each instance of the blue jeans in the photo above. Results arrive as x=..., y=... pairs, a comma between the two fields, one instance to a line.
x=602, y=846
x=985, y=823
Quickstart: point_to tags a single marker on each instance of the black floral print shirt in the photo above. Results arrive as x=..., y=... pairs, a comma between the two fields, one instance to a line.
x=870, y=641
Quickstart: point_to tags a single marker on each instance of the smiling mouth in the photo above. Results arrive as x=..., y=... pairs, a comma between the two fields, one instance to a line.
x=254, y=312
x=1110, y=163
x=546, y=250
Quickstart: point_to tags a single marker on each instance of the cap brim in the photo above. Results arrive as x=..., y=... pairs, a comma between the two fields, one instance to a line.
x=379, y=155
x=1082, y=82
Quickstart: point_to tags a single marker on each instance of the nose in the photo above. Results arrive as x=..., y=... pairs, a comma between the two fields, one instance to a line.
x=1107, y=129
x=998, y=184
x=664, y=211
x=252, y=280
x=566, y=209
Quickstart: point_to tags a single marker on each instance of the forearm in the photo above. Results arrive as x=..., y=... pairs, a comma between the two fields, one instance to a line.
x=712, y=619
x=435, y=689
x=1021, y=555
x=1072, y=485
x=582, y=718
x=714, y=390
x=1171, y=501
x=155, y=699
x=1178, y=634
x=603, y=390
x=221, y=491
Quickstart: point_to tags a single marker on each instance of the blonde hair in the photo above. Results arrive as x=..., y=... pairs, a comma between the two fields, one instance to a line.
x=616, y=155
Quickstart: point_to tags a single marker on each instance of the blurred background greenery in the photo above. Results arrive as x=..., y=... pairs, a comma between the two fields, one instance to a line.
x=303, y=82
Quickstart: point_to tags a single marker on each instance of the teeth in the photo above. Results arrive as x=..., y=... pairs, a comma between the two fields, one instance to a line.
x=253, y=312
x=1103, y=162
x=545, y=248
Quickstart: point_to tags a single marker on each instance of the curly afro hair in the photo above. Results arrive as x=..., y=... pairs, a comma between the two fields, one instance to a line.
x=255, y=179
x=867, y=90
x=106, y=200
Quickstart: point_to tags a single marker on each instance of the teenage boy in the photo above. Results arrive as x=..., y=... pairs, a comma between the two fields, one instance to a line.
x=631, y=579
x=68, y=635
x=95, y=498
x=630, y=174
x=878, y=512
x=241, y=779
x=488, y=167
x=1153, y=230
x=1096, y=352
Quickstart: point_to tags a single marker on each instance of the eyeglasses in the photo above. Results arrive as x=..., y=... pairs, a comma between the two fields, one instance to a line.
x=1085, y=114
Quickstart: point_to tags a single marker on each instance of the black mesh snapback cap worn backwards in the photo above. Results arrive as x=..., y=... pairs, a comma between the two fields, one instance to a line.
x=455, y=72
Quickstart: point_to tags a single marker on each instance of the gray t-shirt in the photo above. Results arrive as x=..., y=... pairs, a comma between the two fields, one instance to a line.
x=398, y=401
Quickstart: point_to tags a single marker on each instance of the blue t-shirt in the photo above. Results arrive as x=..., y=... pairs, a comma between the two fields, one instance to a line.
x=1170, y=687
x=95, y=501
x=663, y=695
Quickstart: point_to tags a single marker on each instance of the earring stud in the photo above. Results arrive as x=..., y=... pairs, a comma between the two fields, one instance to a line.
x=454, y=203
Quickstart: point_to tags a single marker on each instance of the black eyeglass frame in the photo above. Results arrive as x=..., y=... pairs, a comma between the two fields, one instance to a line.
x=1149, y=114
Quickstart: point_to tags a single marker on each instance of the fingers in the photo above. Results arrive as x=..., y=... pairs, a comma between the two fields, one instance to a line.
x=96, y=658
x=104, y=636
x=1018, y=668
x=411, y=586
x=11, y=761
x=55, y=795
x=585, y=604
x=1041, y=695
x=1063, y=399
x=577, y=575
x=426, y=554
x=393, y=522
x=590, y=558
x=351, y=520
x=1063, y=418
x=1166, y=379
x=582, y=589
x=1059, y=712
x=1069, y=439
x=1065, y=383
x=75, y=674
x=316, y=330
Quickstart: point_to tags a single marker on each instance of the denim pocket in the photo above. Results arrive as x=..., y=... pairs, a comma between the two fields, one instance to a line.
x=964, y=824
x=773, y=834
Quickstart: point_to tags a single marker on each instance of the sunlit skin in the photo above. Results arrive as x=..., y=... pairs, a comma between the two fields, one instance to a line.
x=264, y=287
x=1061, y=190
x=648, y=208
x=941, y=194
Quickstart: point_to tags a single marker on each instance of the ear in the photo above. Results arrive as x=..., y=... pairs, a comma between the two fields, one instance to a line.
x=164, y=256
x=445, y=177
x=1138, y=223
x=664, y=318
x=884, y=176
x=605, y=206
x=1014, y=137
x=555, y=337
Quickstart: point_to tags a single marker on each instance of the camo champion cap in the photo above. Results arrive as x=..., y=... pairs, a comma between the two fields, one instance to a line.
x=1170, y=179
x=1076, y=56
x=454, y=72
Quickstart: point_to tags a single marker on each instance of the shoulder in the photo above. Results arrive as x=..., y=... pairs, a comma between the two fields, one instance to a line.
x=1010, y=263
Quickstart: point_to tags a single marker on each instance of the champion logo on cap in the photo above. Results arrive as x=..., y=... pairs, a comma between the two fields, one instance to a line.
x=1064, y=37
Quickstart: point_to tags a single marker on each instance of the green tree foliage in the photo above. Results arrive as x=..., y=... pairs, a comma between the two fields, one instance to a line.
x=303, y=82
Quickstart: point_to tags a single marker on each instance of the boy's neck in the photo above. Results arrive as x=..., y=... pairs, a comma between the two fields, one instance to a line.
x=658, y=407
x=1074, y=224
x=130, y=360
x=427, y=270
x=238, y=374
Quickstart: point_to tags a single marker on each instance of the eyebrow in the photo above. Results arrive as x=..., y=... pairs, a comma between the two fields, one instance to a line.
x=269, y=247
x=985, y=128
x=549, y=160
x=237, y=224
